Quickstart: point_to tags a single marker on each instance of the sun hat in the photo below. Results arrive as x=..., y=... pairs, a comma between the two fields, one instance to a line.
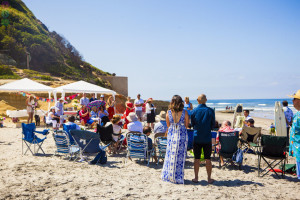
x=102, y=96
x=295, y=95
x=53, y=107
x=132, y=117
x=150, y=99
x=162, y=116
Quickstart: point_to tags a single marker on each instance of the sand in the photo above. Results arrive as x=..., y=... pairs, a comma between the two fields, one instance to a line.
x=53, y=177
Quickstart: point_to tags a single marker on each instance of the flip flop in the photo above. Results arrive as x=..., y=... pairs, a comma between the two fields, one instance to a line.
x=193, y=180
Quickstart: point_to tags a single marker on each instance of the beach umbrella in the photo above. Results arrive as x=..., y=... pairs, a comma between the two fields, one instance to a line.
x=96, y=103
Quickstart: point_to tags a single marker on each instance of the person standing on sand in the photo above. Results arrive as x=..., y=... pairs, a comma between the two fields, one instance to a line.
x=30, y=108
x=111, y=107
x=84, y=101
x=138, y=103
x=203, y=121
x=188, y=106
x=294, y=149
x=288, y=117
x=129, y=108
x=177, y=121
x=93, y=98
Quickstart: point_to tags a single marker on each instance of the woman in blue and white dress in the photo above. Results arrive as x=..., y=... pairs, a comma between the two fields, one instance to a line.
x=177, y=122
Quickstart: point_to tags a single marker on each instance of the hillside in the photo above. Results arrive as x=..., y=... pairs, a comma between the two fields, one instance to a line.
x=21, y=33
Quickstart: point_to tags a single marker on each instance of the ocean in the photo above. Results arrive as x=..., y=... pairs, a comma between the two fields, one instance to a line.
x=263, y=108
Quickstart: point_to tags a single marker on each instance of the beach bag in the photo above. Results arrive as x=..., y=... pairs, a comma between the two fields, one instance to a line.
x=238, y=156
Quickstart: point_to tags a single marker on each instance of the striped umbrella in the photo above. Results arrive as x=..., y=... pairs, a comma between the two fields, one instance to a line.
x=97, y=104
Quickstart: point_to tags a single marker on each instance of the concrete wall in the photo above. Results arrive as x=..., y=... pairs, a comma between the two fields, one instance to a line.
x=118, y=83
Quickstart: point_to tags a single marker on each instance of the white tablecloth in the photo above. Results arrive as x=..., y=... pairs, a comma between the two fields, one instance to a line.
x=23, y=113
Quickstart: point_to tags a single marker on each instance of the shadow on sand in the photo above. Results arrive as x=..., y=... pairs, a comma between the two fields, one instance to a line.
x=227, y=183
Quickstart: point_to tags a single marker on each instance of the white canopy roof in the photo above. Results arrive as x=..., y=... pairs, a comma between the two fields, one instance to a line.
x=26, y=84
x=83, y=87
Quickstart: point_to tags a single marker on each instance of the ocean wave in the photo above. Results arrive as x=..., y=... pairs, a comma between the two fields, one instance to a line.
x=224, y=103
x=262, y=104
x=210, y=103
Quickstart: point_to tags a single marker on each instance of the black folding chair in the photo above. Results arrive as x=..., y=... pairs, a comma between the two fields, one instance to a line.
x=273, y=148
x=228, y=141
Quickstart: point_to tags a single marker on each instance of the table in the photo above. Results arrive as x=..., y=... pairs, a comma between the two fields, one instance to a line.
x=23, y=113
x=68, y=113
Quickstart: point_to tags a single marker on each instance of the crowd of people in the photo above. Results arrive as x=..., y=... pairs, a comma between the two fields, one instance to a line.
x=174, y=123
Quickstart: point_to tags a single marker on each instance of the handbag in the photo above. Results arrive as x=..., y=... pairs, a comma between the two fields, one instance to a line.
x=238, y=156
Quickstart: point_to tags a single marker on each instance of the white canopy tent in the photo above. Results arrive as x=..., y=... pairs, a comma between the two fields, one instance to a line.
x=82, y=87
x=27, y=85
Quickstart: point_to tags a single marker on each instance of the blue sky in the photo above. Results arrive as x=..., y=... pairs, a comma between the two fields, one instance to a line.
x=225, y=49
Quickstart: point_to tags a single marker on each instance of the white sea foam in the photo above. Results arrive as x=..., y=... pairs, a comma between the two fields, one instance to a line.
x=262, y=104
x=224, y=103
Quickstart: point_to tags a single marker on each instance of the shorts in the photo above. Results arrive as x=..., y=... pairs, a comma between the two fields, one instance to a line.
x=89, y=121
x=139, y=113
x=206, y=149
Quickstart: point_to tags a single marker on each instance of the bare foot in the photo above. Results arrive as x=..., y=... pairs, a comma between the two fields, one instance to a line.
x=210, y=181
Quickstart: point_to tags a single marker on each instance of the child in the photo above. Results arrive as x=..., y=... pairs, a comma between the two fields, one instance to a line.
x=147, y=131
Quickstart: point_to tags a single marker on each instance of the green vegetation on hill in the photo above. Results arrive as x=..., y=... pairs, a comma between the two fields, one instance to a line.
x=7, y=73
x=49, y=51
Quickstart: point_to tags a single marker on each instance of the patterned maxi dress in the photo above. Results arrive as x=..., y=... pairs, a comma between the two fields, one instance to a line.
x=173, y=169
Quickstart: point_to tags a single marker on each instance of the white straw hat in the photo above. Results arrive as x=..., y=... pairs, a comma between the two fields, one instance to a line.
x=132, y=117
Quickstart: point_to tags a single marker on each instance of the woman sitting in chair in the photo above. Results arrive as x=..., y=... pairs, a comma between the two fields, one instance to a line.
x=116, y=131
x=85, y=117
x=53, y=118
x=225, y=127
x=103, y=115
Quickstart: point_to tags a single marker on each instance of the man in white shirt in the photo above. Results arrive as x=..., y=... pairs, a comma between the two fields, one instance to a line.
x=84, y=100
x=138, y=104
x=247, y=117
x=134, y=124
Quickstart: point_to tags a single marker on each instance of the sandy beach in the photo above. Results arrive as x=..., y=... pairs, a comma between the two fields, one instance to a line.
x=53, y=177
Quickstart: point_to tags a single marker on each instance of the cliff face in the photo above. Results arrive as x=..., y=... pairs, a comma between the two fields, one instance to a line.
x=23, y=36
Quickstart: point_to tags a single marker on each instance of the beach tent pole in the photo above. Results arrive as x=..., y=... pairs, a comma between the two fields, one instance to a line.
x=49, y=100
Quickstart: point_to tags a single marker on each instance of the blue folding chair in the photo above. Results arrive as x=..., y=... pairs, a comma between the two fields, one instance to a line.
x=161, y=143
x=67, y=128
x=28, y=130
x=213, y=142
x=190, y=139
x=63, y=144
x=137, y=146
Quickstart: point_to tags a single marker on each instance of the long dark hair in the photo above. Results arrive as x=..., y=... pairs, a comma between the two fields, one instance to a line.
x=176, y=104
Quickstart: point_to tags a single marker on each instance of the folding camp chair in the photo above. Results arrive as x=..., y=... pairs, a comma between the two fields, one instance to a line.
x=63, y=144
x=161, y=144
x=137, y=146
x=250, y=139
x=105, y=133
x=190, y=139
x=228, y=141
x=213, y=142
x=88, y=142
x=67, y=129
x=273, y=148
x=30, y=138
